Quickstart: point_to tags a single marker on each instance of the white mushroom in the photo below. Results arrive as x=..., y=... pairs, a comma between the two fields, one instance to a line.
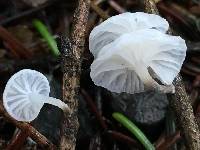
x=130, y=61
x=118, y=25
x=25, y=94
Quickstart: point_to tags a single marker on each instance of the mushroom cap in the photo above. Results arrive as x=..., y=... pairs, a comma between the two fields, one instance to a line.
x=16, y=96
x=118, y=25
x=121, y=66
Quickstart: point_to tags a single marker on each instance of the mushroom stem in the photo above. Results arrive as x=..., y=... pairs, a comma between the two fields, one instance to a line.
x=58, y=103
x=145, y=77
x=150, y=82
x=50, y=100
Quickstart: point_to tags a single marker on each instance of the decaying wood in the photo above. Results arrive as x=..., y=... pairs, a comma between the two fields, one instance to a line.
x=31, y=131
x=180, y=102
x=71, y=54
x=99, y=11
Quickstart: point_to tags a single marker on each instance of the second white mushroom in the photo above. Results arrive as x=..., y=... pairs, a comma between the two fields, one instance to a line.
x=132, y=52
x=25, y=94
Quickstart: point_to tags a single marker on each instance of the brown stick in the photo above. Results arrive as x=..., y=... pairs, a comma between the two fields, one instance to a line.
x=180, y=102
x=71, y=54
x=14, y=44
x=116, y=6
x=17, y=141
x=182, y=106
x=99, y=11
x=124, y=138
x=94, y=109
x=169, y=141
x=25, y=127
x=150, y=7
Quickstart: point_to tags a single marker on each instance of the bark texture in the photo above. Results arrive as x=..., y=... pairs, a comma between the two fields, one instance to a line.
x=180, y=101
x=181, y=104
x=71, y=51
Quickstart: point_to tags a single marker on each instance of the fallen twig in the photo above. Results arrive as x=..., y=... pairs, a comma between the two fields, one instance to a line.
x=116, y=6
x=71, y=53
x=17, y=141
x=123, y=138
x=168, y=141
x=16, y=47
x=25, y=13
x=25, y=127
x=99, y=11
x=94, y=109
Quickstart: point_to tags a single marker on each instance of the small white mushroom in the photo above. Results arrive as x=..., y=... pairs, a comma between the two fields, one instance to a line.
x=118, y=25
x=25, y=94
x=131, y=61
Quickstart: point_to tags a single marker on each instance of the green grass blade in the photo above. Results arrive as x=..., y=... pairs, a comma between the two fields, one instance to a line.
x=134, y=130
x=42, y=29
